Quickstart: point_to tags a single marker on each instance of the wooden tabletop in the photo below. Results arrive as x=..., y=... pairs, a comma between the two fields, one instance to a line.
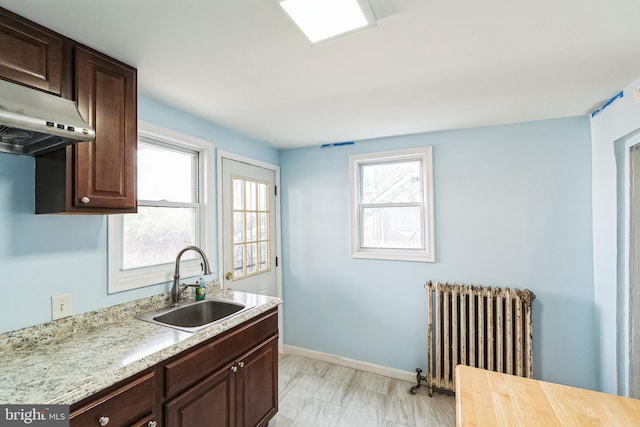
x=485, y=398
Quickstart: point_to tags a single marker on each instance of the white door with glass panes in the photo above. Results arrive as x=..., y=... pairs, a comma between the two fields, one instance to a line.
x=248, y=228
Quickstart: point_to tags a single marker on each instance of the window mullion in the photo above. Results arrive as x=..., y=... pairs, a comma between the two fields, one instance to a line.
x=166, y=204
x=391, y=205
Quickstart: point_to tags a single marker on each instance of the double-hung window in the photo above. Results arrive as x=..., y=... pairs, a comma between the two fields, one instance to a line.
x=173, y=212
x=392, y=205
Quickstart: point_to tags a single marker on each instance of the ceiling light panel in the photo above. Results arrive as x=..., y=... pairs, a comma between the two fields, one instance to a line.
x=322, y=19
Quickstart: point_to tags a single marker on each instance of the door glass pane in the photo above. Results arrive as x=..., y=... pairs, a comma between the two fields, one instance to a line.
x=262, y=197
x=252, y=255
x=251, y=234
x=263, y=226
x=392, y=227
x=251, y=227
x=263, y=256
x=156, y=234
x=238, y=227
x=238, y=194
x=238, y=260
x=251, y=195
x=154, y=181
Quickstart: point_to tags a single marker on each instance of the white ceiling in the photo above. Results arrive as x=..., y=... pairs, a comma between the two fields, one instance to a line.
x=428, y=64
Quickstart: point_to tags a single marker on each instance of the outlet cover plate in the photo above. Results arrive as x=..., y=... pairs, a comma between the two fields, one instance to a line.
x=60, y=306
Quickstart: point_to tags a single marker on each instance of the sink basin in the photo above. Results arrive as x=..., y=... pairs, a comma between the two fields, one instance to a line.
x=195, y=316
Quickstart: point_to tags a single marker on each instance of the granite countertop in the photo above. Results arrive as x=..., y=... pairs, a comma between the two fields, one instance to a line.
x=67, y=360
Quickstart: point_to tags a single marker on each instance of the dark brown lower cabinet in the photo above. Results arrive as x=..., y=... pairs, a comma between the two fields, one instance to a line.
x=210, y=403
x=241, y=394
x=257, y=385
x=230, y=380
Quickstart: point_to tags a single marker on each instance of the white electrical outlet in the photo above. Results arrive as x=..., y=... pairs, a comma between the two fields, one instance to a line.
x=60, y=306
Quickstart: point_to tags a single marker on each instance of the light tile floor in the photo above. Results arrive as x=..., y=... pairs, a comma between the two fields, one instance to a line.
x=319, y=394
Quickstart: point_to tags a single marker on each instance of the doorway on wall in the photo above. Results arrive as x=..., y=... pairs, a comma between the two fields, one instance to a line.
x=249, y=257
x=633, y=276
x=249, y=229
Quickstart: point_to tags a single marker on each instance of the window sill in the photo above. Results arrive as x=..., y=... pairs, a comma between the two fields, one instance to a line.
x=393, y=256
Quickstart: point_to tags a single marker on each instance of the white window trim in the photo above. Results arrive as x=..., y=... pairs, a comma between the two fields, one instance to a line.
x=119, y=280
x=422, y=255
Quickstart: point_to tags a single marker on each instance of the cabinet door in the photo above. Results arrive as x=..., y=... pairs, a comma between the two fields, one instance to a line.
x=209, y=403
x=257, y=385
x=30, y=54
x=104, y=169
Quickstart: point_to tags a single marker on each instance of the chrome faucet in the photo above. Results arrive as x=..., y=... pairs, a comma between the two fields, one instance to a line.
x=177, y=289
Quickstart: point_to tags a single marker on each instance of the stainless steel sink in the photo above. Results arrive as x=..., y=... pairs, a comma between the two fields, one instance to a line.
x=195, y=316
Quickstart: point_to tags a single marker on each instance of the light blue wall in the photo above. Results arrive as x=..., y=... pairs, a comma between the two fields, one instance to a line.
x=611, y=128
x=513, y=208
x=161, y=114
x=46, y=255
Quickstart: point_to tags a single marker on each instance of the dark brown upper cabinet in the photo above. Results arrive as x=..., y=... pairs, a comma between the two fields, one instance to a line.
x=97, y=177
x=105, y=167
x=30, y=54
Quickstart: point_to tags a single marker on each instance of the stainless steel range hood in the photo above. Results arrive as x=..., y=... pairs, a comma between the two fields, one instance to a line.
x=34, y=122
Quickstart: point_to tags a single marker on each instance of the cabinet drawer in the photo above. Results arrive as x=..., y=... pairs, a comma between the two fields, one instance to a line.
x=187, y=370
x=128, y=405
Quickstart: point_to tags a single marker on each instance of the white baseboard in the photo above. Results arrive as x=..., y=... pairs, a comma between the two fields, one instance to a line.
x=351, y=363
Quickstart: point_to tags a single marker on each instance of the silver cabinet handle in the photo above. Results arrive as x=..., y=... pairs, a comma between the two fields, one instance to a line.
x=234, y=368
x=152, y=423
x=85, y=200
x=241, y=364
x=103, y=421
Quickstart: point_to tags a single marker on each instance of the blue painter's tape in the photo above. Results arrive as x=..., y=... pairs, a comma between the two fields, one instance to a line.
x=336, y=144
x=609, y=102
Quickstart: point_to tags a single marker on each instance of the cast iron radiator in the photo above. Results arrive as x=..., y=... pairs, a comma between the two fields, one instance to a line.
x=480, y=326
